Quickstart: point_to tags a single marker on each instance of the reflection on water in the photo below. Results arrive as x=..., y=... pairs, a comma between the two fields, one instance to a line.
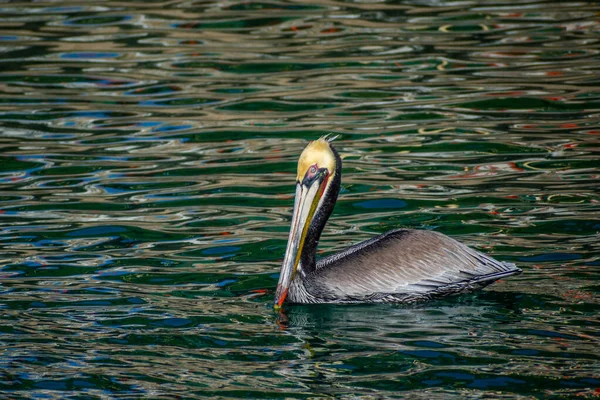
x=148, y=155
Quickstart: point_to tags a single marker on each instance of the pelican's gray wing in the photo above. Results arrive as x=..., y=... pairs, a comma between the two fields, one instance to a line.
x=404, y=265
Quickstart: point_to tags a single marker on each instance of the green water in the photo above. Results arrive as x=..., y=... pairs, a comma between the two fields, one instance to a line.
x=147, y=165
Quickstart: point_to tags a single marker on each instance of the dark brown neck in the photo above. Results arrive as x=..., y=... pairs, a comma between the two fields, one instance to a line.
x=308, y=257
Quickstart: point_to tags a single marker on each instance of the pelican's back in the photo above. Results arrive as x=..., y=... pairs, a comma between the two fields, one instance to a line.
x=404, y=266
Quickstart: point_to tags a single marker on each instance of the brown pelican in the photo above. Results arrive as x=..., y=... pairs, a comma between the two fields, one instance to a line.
x=401, y=266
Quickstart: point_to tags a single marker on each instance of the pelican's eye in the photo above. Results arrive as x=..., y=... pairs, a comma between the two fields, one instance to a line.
x=311, y=174
x=314, y=173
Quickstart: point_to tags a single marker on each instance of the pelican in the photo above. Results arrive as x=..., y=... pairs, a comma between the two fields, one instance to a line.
x=399, y=266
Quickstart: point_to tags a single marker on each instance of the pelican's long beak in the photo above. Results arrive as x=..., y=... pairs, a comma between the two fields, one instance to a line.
x=305, y=205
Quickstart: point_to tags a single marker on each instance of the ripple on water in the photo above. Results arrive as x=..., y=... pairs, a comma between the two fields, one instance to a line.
x=147, y=166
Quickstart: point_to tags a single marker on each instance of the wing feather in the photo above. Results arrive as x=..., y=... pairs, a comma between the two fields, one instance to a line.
x=405, y=264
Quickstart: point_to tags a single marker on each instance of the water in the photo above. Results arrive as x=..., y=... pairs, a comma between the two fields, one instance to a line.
x=148, y=154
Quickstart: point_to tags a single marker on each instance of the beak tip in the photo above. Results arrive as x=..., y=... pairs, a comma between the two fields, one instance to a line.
x=280, y=298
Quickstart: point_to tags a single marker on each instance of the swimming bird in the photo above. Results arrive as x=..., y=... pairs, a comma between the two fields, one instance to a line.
x=399, y=266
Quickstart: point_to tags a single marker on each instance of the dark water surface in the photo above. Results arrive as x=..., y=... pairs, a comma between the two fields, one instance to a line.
x=148, y=153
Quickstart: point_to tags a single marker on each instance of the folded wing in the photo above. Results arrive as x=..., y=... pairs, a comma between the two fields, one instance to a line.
x=405, y=265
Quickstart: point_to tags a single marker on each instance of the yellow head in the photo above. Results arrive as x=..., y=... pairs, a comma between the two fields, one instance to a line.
x=317, y=154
